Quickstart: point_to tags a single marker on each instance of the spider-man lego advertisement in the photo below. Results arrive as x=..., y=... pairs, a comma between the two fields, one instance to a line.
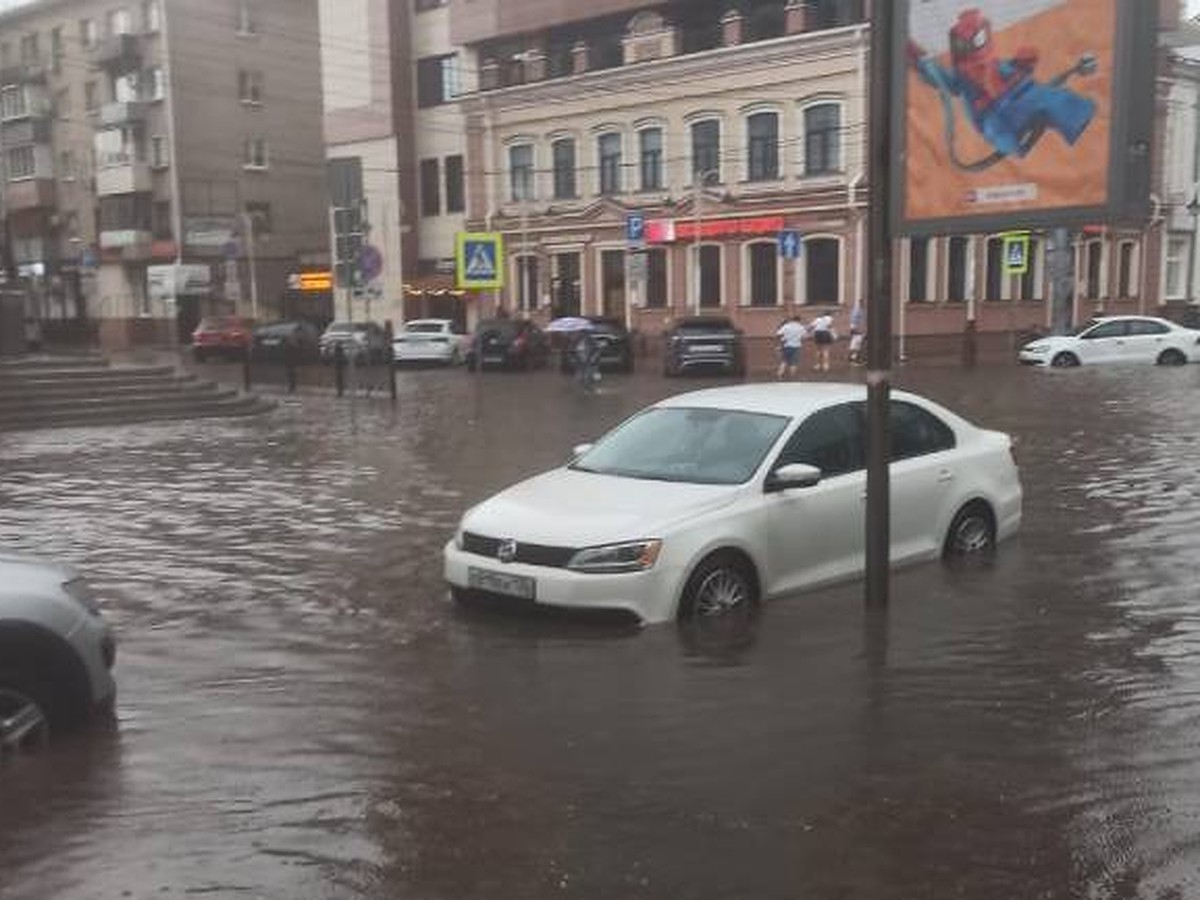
x=1010, y=107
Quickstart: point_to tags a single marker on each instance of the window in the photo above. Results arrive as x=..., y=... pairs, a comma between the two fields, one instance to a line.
x=91, y=102
x=246, y=22
x=56, y=50
x=706, y=149
x=994, y=289
x=250, y=87
x=126, y=212
x=822, y=271
x=650, y=155
x=255, y=154
x=710, y=275
x=1105, y=330
x=118, y=21
x=30, y=50
x=520, y=172
x=1147, y=327
x=763, y=148
x=916, y=432
x=87, y=32
x=152, y=86
x=609, y=151
x=20, y=163
x=566, y=283
x=151, y=22
x=117, y=147
x=160, y=157
x=831, y=439
x=454, y=184
x=1177, y=251
x=527, y=283
x=764, y=274
x=612, y=283
x=1094, y=257
x=127, y=88
x=13, y=102
x=437, y=80
x=564, y=168
x=1126, y=277
x=161, y=225
x=822, y=139
x=956, y=287
x=259, y=212
x=66, y=165
x=431, y=200
x=918, y=269
x=656, y=278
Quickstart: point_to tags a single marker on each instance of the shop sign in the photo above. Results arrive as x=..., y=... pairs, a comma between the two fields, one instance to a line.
x=665, y=231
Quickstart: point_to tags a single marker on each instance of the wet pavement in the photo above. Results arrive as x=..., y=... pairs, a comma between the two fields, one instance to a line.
x=303, y=715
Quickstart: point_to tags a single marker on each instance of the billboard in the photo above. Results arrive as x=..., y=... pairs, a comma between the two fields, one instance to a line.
x=1022, y=113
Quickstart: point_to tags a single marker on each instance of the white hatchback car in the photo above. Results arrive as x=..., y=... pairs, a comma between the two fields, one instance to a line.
x=430, y=340
x=1117, y=339
x=713, y=500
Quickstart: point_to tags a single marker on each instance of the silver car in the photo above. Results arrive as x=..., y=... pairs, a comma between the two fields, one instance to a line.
x=56, y=653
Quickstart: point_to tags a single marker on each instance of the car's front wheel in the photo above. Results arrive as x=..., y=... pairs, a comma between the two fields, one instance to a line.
x=722, y=584
x=24, y=712
x=972, y=532
x=1172, y=357
x=1064, y=360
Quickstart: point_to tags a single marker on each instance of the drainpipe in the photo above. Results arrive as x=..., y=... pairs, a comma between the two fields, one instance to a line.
x=1156, y=220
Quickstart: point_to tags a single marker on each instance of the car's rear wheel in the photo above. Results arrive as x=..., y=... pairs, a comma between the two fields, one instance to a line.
x=1172, y=357
x=24, y=713
x=721, y=585
x=972, y=532
x=1064, y=360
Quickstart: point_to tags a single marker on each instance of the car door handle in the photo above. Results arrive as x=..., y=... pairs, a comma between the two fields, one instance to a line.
x=945, y=476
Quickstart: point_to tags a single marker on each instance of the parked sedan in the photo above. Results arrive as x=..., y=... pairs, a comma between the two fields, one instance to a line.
x=280, y=340
x=361, y=342
x=508, y=344
x=614, y=344
x=1117, y=339
x=711, y=501
x=429, y=340
x=225, y=336
x=56, y=653
x=704, y=342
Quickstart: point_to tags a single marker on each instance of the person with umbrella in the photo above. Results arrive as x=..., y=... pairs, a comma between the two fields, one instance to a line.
x=584, y=348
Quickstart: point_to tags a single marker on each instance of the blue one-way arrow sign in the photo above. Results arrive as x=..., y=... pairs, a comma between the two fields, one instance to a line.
x=789, y=244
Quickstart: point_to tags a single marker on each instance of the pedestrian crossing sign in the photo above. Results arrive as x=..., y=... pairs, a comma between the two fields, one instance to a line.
x=1016, y=253
x=479, y=260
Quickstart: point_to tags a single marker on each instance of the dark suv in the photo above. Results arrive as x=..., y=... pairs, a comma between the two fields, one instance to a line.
x=703, y=342
x=615, y=345
x=508, y=344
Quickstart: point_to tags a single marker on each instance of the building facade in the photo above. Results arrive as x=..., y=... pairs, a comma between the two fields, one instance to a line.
x=158, y=154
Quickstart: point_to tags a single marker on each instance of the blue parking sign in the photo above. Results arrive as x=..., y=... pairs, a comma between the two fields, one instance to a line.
x=635, y=228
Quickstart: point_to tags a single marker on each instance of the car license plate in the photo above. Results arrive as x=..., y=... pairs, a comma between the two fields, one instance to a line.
x=502, y=583
x=271, y=342
x=706, y=348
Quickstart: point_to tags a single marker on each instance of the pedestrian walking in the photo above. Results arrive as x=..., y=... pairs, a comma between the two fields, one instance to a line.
x=854, y=356
x=823, y=336
x=791, y=340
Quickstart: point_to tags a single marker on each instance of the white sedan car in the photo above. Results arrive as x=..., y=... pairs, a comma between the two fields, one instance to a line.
x=430, y=340
x=1117, y=339
x=713, y=500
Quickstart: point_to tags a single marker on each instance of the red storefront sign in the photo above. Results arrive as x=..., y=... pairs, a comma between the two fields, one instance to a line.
x=665, y=231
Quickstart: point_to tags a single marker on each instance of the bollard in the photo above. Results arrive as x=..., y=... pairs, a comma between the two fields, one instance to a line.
x=339, y=368
x=389, y=357
x=289, y=365
x=246, y=367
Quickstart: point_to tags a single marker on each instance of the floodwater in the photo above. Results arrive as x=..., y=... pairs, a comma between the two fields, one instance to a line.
x=303, y=715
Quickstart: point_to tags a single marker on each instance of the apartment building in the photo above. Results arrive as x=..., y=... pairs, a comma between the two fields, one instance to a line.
x=163, y=159
x=391, y=83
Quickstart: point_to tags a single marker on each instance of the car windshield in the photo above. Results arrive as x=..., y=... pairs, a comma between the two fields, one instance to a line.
x=220, y=323
x=424, y=328
x=341, y=328
x=696, y=445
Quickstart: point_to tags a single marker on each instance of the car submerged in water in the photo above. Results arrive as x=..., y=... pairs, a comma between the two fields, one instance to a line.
x=1145, y=340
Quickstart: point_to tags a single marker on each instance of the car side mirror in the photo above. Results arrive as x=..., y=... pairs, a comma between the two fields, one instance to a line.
x=795, y=475
x=579, y=449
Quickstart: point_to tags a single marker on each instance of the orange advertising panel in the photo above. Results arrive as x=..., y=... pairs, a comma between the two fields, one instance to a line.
x=1011, y=107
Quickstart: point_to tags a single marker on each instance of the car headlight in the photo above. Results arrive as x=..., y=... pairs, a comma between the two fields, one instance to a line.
x=632, y=556
x=458, y=538
x=1036, y=348
x=79, y=590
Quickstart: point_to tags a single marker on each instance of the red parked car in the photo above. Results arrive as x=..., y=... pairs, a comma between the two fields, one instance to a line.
x=227, y=336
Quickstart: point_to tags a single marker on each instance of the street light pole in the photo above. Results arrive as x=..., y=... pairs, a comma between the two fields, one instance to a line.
x=698, y=184
x=248, y=222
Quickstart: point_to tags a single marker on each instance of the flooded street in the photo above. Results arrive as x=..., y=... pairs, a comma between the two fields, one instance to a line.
x=302, y=714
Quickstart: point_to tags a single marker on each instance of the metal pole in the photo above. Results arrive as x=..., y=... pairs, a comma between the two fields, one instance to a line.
x=251, y=255
x=699, y=188
x=879, y=308
x=1194, y=209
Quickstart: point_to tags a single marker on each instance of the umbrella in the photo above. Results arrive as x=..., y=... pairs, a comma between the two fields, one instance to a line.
x=569, y=323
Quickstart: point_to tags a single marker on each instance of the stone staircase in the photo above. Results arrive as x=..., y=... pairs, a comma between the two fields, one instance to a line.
x=55, y=392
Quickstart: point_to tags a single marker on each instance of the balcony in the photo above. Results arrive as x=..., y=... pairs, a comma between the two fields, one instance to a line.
x=129, y=178
x=113, y=115
x=33, y=193
x=118, y=54
x=128, y=245
x=20, y=132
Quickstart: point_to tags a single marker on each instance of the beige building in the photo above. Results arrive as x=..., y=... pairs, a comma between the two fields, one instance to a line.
x=157, y=154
